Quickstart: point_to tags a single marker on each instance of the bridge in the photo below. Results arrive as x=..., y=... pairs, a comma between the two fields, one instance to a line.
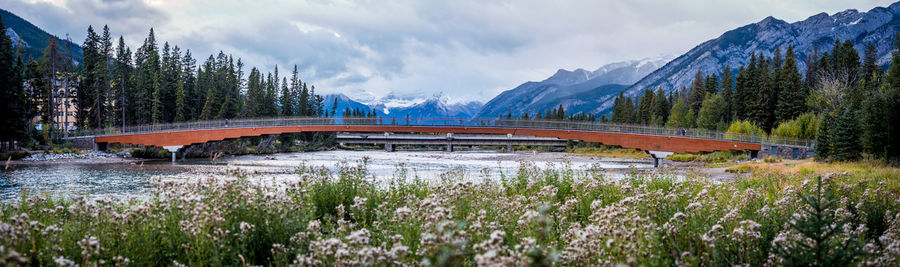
x=390, y=140
x=659, y=142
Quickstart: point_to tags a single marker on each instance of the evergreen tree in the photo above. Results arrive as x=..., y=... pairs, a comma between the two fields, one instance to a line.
x=844, y=136
x=698, y=91
x=285, y=99
x=88, y=90
x=823, y=137
x=645, y=107
x=122, y=82
x=105, y=112
x=792, y=94
x=741, y=92
x=712, y=84
x=13, y=120
x=880, y=120
x=727, y=93
x=628, y=111
x=661, y=108
x=762, y=109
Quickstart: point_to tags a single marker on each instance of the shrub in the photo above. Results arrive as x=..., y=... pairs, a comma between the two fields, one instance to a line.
x=804, y=126
x=684, y=157
x=744, y=127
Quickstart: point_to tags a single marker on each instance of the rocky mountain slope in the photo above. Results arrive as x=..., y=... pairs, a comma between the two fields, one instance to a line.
x=33, y=38
x=733, y=48
x=533, y=97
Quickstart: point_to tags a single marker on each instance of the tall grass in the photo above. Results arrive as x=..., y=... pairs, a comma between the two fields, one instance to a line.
x=554, y=215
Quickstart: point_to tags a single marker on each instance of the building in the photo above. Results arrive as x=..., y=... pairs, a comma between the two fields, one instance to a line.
x=63, y=111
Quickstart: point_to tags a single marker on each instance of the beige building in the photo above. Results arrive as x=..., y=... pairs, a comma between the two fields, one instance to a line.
x=63, y=112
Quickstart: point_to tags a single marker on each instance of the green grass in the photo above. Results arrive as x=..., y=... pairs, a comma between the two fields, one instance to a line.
x=557, y=215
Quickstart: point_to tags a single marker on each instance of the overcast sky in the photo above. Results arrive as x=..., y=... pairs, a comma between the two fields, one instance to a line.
x=466, y=49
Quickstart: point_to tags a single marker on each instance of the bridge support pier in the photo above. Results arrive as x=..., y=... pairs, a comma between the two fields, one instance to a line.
x=509, y=148
x=449, y=142
x=173, y=150
x=389, y=147
x=658, y=156
x=101, y=146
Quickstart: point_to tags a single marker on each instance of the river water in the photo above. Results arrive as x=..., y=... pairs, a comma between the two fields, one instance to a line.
x=71, y=179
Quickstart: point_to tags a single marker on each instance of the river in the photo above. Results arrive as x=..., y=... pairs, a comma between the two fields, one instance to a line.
x=78, y=178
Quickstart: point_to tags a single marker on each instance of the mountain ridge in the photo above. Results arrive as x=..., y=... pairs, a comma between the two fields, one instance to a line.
x=734, y=47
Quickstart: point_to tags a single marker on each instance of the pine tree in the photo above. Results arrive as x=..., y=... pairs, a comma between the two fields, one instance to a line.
x=105, y=112
x=698, y=91
x=13, y=122
x=844, y=136
x=712, y=84
x=661, y=108
x=741, y=92
x=122, y=71
x=180, y=98
x=762, y=107
x=792, y=94
x=285, y=99
x=628, y=111
x=880, y=119
x=645, y=107
x=727, y=93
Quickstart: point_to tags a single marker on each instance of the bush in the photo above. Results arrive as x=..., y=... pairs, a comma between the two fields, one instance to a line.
x=803, y=127
x=744, y=127
x=684, y=157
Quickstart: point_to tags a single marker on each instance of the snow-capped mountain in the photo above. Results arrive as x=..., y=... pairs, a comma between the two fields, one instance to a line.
x=392, y=106
x=436, y=107
x=533, y=97
x=733, y=48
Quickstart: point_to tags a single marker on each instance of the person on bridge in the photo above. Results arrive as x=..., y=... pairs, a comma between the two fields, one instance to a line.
x=226, y=123
x=683, y=131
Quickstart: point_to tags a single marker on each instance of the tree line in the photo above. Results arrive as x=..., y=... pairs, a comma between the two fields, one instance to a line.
x=847, y=104
x=116, y=87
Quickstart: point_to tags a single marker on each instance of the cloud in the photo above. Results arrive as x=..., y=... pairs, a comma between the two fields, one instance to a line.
x=467, y=49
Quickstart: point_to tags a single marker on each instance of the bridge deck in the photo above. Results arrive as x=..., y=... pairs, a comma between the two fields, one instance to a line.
x=629, y=136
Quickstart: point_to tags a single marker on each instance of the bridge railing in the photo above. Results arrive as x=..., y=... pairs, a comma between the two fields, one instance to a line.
x=422, y=122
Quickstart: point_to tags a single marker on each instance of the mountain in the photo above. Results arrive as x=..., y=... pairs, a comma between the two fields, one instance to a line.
x=533, y=97
x=34, y=38
x=434, y=107
x=733, y=48
x=343, y=103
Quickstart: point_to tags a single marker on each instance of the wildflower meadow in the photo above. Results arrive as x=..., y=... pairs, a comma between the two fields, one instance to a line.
x=534, y=217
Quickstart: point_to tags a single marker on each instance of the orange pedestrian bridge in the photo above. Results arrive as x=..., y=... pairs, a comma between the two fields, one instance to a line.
x=659, y=142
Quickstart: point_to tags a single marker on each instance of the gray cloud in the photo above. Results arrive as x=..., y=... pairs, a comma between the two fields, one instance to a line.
x=469, y=49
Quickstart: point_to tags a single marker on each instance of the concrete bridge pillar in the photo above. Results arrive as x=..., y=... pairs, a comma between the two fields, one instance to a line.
x=658, y=156
x=449, y=142
x=173, y=150
x=101, y=146
x=388, y=145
